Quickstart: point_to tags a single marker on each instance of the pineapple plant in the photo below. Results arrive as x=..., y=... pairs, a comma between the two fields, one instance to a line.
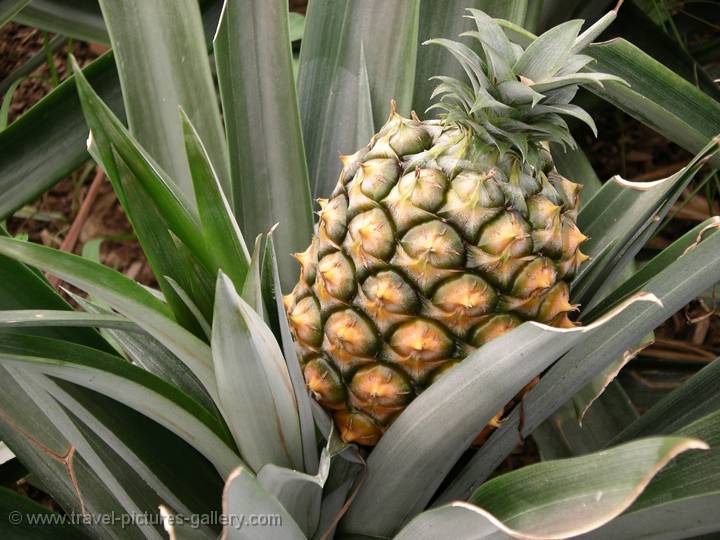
x=442, y=235
x=439, y=288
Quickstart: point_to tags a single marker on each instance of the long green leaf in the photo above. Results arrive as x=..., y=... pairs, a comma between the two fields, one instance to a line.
x=698, y=396
x=619, y=219
x=560, y=498
x=254, y=385
x=562, y=435
x=166, y=254
x=126, y=439
x=48, y=141
x=108, y=135
x=124, y=295
x=162, y=62
x=681, y=501
x=548, y=53
x=125, y=487
x=34, y=427
x=674, y=286
x=22, y=288
x=36, y=317
x=344, y=41
x=220, y=229
x=147, y=352
x=300, y=493
x=155, y=209
x=267, y=161
x=277, y=316
x=128, y=384
x=422, y=445
x=555, y=499
x=78, y=19
x=638, y=29
x=244, y=496
x=662, y=260
x=656, y=96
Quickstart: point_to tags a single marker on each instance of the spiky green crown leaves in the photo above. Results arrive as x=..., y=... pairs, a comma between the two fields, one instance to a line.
x=516, y=97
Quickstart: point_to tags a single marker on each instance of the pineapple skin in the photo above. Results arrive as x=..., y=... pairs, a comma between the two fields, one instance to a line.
x=431, y=245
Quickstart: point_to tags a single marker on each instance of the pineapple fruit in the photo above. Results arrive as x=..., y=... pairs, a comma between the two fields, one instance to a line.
x=440, y=236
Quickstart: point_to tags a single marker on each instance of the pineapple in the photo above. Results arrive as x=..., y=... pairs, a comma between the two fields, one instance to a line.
x=441, y=235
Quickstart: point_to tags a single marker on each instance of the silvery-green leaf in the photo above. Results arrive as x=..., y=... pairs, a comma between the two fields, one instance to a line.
x=41, y=317
x=661, y=261
x=355, y=58
x=107, y=136
x=561, y=435
x=591, y=33
x=147, y=352
x=656, y=96
x=682, y=500
x=566, y=497
x=128, y=384
x=39, y=441
x=670, y=289
x=554, y=499
x=244, y=497
x=163, y=65
x=252, y=287
x=416, y=453
x=620, y=218
x=546, y=55
x=585, y=79
x=220, y=229
x=495, y=44
x=445, y=19
x=256, y=395
x=190, y=304
x=124, y=295
x=278, y=321
x=299, y=493
x=568, y=110
x=267, y=159
x=81, y=20
x=125, y=439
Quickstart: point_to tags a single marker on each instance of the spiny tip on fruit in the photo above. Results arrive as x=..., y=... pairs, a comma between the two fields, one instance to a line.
x=357, y=427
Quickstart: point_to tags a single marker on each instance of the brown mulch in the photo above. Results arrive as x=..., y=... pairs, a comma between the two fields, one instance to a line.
x=50, y=217
x=17, y=45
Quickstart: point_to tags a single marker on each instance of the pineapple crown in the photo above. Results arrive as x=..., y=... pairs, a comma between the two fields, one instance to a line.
x=516, y=97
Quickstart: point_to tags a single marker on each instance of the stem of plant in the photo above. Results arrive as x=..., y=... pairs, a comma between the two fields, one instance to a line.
x=70, y=241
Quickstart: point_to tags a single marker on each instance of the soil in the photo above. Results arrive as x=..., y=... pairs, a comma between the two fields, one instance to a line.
x=48, y=219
